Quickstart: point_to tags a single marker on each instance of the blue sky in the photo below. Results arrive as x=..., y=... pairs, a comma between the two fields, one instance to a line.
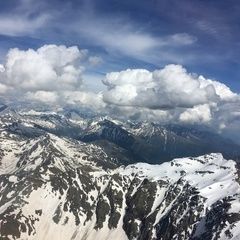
x=203, y=36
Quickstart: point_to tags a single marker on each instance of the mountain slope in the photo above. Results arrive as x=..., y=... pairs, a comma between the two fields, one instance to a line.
x=81, y=179
x=155, y=143
x=54, y=190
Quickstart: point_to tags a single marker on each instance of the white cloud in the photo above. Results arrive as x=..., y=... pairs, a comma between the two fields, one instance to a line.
x=19, y=25
x=95, y=60
x=83, y=98
x=129, y=76
x=182, y=39
x=167, y=88
x=142, y=114
x=223, y=91
x=48, y=68
x=24, y=19
x=2, y=69
x=197, y=114
x=3, y=88
x=43, y=96
x=51, y=74
x=121, y=36
x=90, y=100
x=124, y=40
x=226, y=119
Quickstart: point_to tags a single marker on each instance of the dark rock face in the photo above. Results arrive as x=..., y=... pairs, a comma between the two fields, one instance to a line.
x=154, y=143
x=53, y=187
x=217, y=218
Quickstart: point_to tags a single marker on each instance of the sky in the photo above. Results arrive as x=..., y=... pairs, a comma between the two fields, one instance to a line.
x=204, y=36
x=160, y=60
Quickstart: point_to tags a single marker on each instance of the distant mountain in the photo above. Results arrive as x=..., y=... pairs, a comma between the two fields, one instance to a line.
x=141, y=141
x=155, y=143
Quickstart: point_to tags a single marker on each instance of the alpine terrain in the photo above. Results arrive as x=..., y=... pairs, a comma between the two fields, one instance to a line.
x=65, y=176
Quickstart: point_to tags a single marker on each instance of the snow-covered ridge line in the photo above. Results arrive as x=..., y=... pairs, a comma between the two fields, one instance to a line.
x=211, y=174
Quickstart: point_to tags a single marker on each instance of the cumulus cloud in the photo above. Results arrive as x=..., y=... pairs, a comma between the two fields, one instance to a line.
x=51, y=74
x=223, y=91
x=167, y=88
x=48, y=68
x=197, y=114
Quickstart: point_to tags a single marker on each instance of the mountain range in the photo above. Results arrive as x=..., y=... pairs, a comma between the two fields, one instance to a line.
x=68, y=176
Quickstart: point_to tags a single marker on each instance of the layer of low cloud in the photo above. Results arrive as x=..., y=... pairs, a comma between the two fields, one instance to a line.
x=43, y=96
x=197, y=114
x=50, y=74
x=88, y=99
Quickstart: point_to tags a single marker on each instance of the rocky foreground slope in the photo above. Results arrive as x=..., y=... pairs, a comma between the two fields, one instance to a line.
x=51, y=189
x=56, y=187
